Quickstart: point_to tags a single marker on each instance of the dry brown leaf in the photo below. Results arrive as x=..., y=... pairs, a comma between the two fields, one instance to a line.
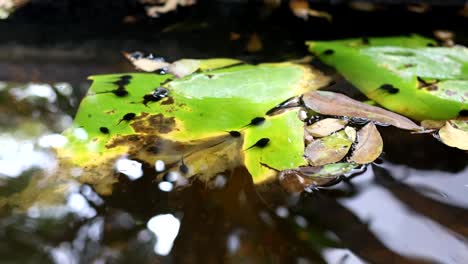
x=454, y=136
x=293, y=181
x=334, y=104
x=350, y=133
x=326, y=127
x=146, y=64
x=301, y=9
x=184, y=67
x=369, y=146
x=328, y=150
x=432, y=124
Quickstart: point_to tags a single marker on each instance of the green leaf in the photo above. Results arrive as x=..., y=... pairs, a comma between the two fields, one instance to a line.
x=284, y=150
x=403, y=74
x=196, y=113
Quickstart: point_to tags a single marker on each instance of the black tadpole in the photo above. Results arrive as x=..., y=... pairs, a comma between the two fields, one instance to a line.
x=156, y=95
x=234, y=133
x=121, y=83
x=127, y=117
x=183, y=168
x=291, y=102
x=389, y=88
x=120, y=92
x=123, y=80
x=261, y=143
x=104, y=130
x=256, y=122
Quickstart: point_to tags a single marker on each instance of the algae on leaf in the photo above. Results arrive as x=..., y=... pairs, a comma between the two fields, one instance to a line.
x=404, y=74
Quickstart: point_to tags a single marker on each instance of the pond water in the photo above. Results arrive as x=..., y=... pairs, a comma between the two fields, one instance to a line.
x=412, y=207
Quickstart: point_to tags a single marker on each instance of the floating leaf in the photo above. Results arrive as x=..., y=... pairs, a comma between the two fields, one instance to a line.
x=369, y=145
x=147, y=64
x=455, y=134
x=325, y=127
x=403, y=74
x=263, y=162
x=297, y=180
x=184, y=67
x=334, y=104
x=328, y=150
x=207, y=115
x=301, y=9
x=329, y=170
x=350, y=133
x=432, y=124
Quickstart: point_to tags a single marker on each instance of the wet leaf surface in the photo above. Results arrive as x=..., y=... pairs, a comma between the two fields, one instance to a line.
x=334, y=104
x=369, y=145
x=328, y=149
x=403, y=74
x=189, y=119
x=455, y=134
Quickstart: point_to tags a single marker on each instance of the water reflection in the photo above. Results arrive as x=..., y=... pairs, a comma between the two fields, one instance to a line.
x=390, y=220
x=165, y=186
x=165, y=227
x=33, y=90
x=131, y=168
x=19, y=155
x=401, y=211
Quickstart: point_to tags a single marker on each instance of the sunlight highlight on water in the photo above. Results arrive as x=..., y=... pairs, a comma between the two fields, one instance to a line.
x=165, y=227
x=131, y=168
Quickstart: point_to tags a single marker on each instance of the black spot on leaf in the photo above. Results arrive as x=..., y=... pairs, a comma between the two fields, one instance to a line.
x=463, y=112
x=428, y=85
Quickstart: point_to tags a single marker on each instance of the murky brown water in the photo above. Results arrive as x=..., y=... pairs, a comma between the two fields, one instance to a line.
x=411, y=208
